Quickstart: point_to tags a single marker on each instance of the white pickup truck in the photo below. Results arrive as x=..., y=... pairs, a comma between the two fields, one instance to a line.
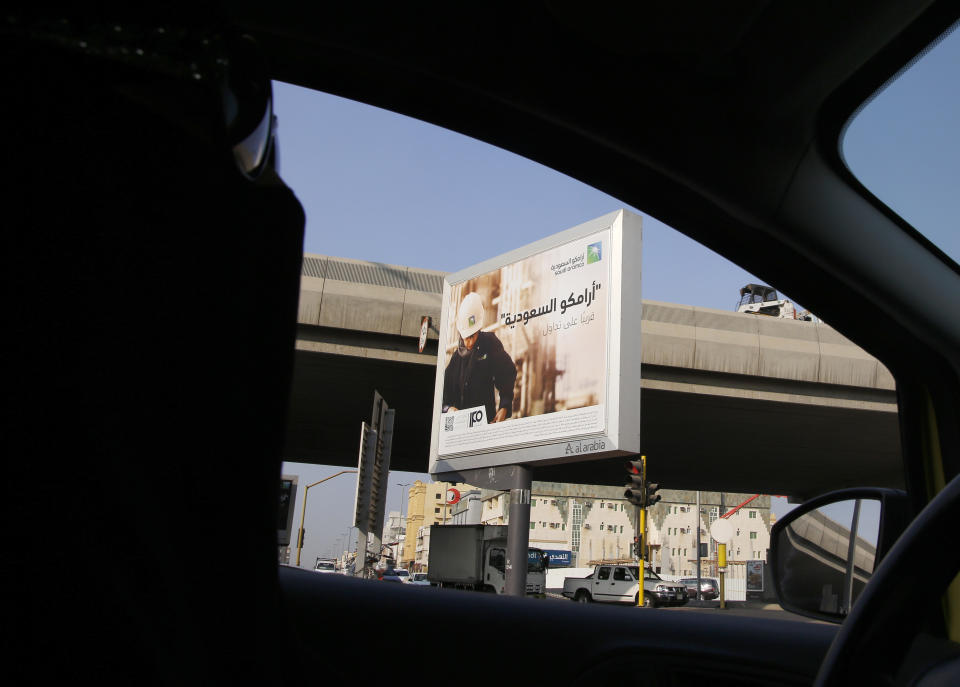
x=614, y=583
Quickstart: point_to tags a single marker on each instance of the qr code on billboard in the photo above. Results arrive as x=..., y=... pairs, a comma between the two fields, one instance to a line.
x=448, y=424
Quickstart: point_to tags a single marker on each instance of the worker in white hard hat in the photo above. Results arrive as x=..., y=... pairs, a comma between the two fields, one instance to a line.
x=479, y=365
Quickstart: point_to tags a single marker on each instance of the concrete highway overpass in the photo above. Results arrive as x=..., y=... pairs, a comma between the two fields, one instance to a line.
x=729, y=401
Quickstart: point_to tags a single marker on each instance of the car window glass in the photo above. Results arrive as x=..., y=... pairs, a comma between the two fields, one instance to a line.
x=904, y=144
x=604, y=573
x=498, y=559
x=694, y=322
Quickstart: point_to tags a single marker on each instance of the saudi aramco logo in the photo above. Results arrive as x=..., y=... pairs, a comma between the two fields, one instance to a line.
x=593, y=253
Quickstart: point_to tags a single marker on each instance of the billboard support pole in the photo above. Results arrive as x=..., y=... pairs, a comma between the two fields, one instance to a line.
x=518, y=534
x=499, y=478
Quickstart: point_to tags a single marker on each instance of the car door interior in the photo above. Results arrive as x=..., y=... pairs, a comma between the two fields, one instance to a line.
x=146, y=451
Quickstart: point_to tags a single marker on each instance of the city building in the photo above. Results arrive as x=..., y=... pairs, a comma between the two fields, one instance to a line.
x=426, y=506
x=596, y=523
x=469, y=509
x=393, y=534
x=672, y=534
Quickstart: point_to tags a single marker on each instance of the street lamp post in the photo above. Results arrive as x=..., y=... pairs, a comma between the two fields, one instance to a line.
x=699, y=513
x=349, y=538
x=303, y=511
x=347, y=544
x=402, y=486
x=339, y=540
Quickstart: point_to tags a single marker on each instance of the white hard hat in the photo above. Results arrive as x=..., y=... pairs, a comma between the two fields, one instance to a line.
x=470, y=315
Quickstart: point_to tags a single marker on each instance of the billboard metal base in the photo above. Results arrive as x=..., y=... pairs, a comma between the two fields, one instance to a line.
x=518, y=480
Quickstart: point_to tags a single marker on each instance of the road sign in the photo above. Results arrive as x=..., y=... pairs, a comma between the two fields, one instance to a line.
x=366, y=470
x=721, y=530
x=424, y=328
x=453, y=496
x=373, y=468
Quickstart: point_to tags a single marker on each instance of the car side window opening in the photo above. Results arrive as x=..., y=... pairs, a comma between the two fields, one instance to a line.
x=903, y=144
x=591, y=544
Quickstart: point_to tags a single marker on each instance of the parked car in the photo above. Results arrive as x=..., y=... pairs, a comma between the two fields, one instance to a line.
x=325, y=566
x=618, y=584
x=419, y=579
x=390, y=575
x=709, y=587
x=402, y=574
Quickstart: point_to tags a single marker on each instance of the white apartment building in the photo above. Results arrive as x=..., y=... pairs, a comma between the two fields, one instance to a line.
x=595, y=523
x=393, y=534
x=673, y=538
x=422, y=552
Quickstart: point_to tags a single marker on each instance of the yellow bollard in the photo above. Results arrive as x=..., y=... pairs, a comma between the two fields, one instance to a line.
x=721, y=569
x=642, y=545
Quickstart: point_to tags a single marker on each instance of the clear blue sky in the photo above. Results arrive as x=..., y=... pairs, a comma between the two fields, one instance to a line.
x=905, y=145
x=386, y=188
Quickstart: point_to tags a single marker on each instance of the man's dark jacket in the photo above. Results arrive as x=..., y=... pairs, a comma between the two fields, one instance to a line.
x=469, y=380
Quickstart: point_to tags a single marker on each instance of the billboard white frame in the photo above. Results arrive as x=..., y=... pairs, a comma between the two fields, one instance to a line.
x=621, y=433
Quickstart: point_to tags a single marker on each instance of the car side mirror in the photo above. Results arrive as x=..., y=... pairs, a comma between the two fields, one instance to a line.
x=824, y=552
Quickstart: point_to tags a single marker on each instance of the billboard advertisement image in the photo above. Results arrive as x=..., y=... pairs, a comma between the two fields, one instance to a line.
x=527, y=345
x=755, y=576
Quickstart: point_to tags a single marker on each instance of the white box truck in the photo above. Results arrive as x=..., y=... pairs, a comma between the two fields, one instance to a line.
x=474, y=557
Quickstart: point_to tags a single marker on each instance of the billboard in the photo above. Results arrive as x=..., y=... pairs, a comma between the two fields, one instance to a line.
x=755, y=576
x=539, y=352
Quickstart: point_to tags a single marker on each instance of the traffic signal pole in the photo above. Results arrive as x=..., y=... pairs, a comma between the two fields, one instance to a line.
x=641, y=494
x=642, y=549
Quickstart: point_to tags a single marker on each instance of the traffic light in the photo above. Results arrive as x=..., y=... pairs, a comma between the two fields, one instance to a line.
x=634, y=491
x=303, y=533
x=651, y=495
